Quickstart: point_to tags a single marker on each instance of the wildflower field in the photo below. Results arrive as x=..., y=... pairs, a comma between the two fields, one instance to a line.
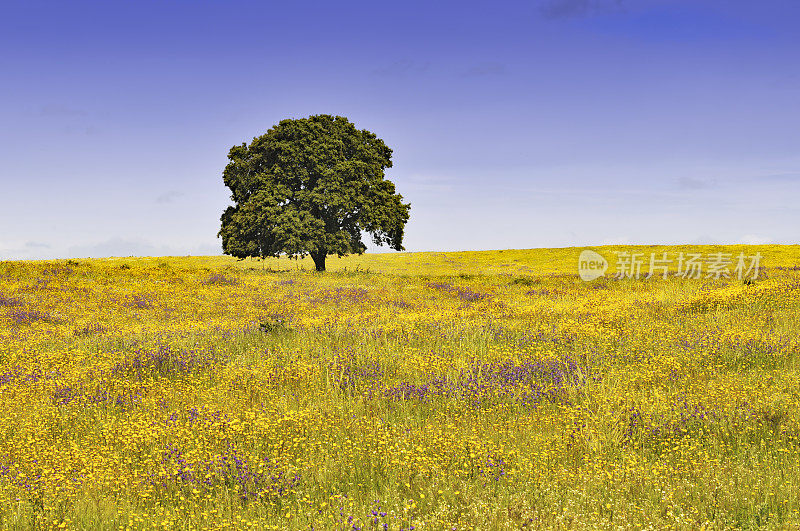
x=472, y=390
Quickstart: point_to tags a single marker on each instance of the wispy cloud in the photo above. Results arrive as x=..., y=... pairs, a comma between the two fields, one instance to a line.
x=137, y=247
x=119, y=247
x=705, y=239
x=754, y=239
x=785, y=177
x=692, y=183
x=24, y=251
x=56, y=109
x=169, y=196
x=556, y=9
x=429, y=183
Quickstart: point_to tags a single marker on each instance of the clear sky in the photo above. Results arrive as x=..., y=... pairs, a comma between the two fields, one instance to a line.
x=513, y=124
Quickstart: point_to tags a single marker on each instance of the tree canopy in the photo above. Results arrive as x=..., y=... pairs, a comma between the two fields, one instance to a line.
x=311, y=186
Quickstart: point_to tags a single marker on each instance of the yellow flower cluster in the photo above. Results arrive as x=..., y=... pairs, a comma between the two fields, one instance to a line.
x=466, y=390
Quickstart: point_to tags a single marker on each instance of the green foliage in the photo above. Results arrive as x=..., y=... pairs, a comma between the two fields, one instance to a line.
x=311, y=186
x=526, y=281
x=274, y=325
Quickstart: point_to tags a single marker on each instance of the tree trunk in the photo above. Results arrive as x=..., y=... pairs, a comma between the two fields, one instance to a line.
x=319, y=260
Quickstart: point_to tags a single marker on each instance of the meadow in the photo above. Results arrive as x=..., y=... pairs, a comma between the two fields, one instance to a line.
x=470, y=390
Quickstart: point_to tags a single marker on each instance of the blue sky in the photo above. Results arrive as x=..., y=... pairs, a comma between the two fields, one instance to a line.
x=519, y=125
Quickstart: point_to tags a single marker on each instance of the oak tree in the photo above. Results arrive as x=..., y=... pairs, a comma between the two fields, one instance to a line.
x=311, y=186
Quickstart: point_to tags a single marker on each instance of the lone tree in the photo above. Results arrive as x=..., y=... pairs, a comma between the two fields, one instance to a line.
x=311, y=186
